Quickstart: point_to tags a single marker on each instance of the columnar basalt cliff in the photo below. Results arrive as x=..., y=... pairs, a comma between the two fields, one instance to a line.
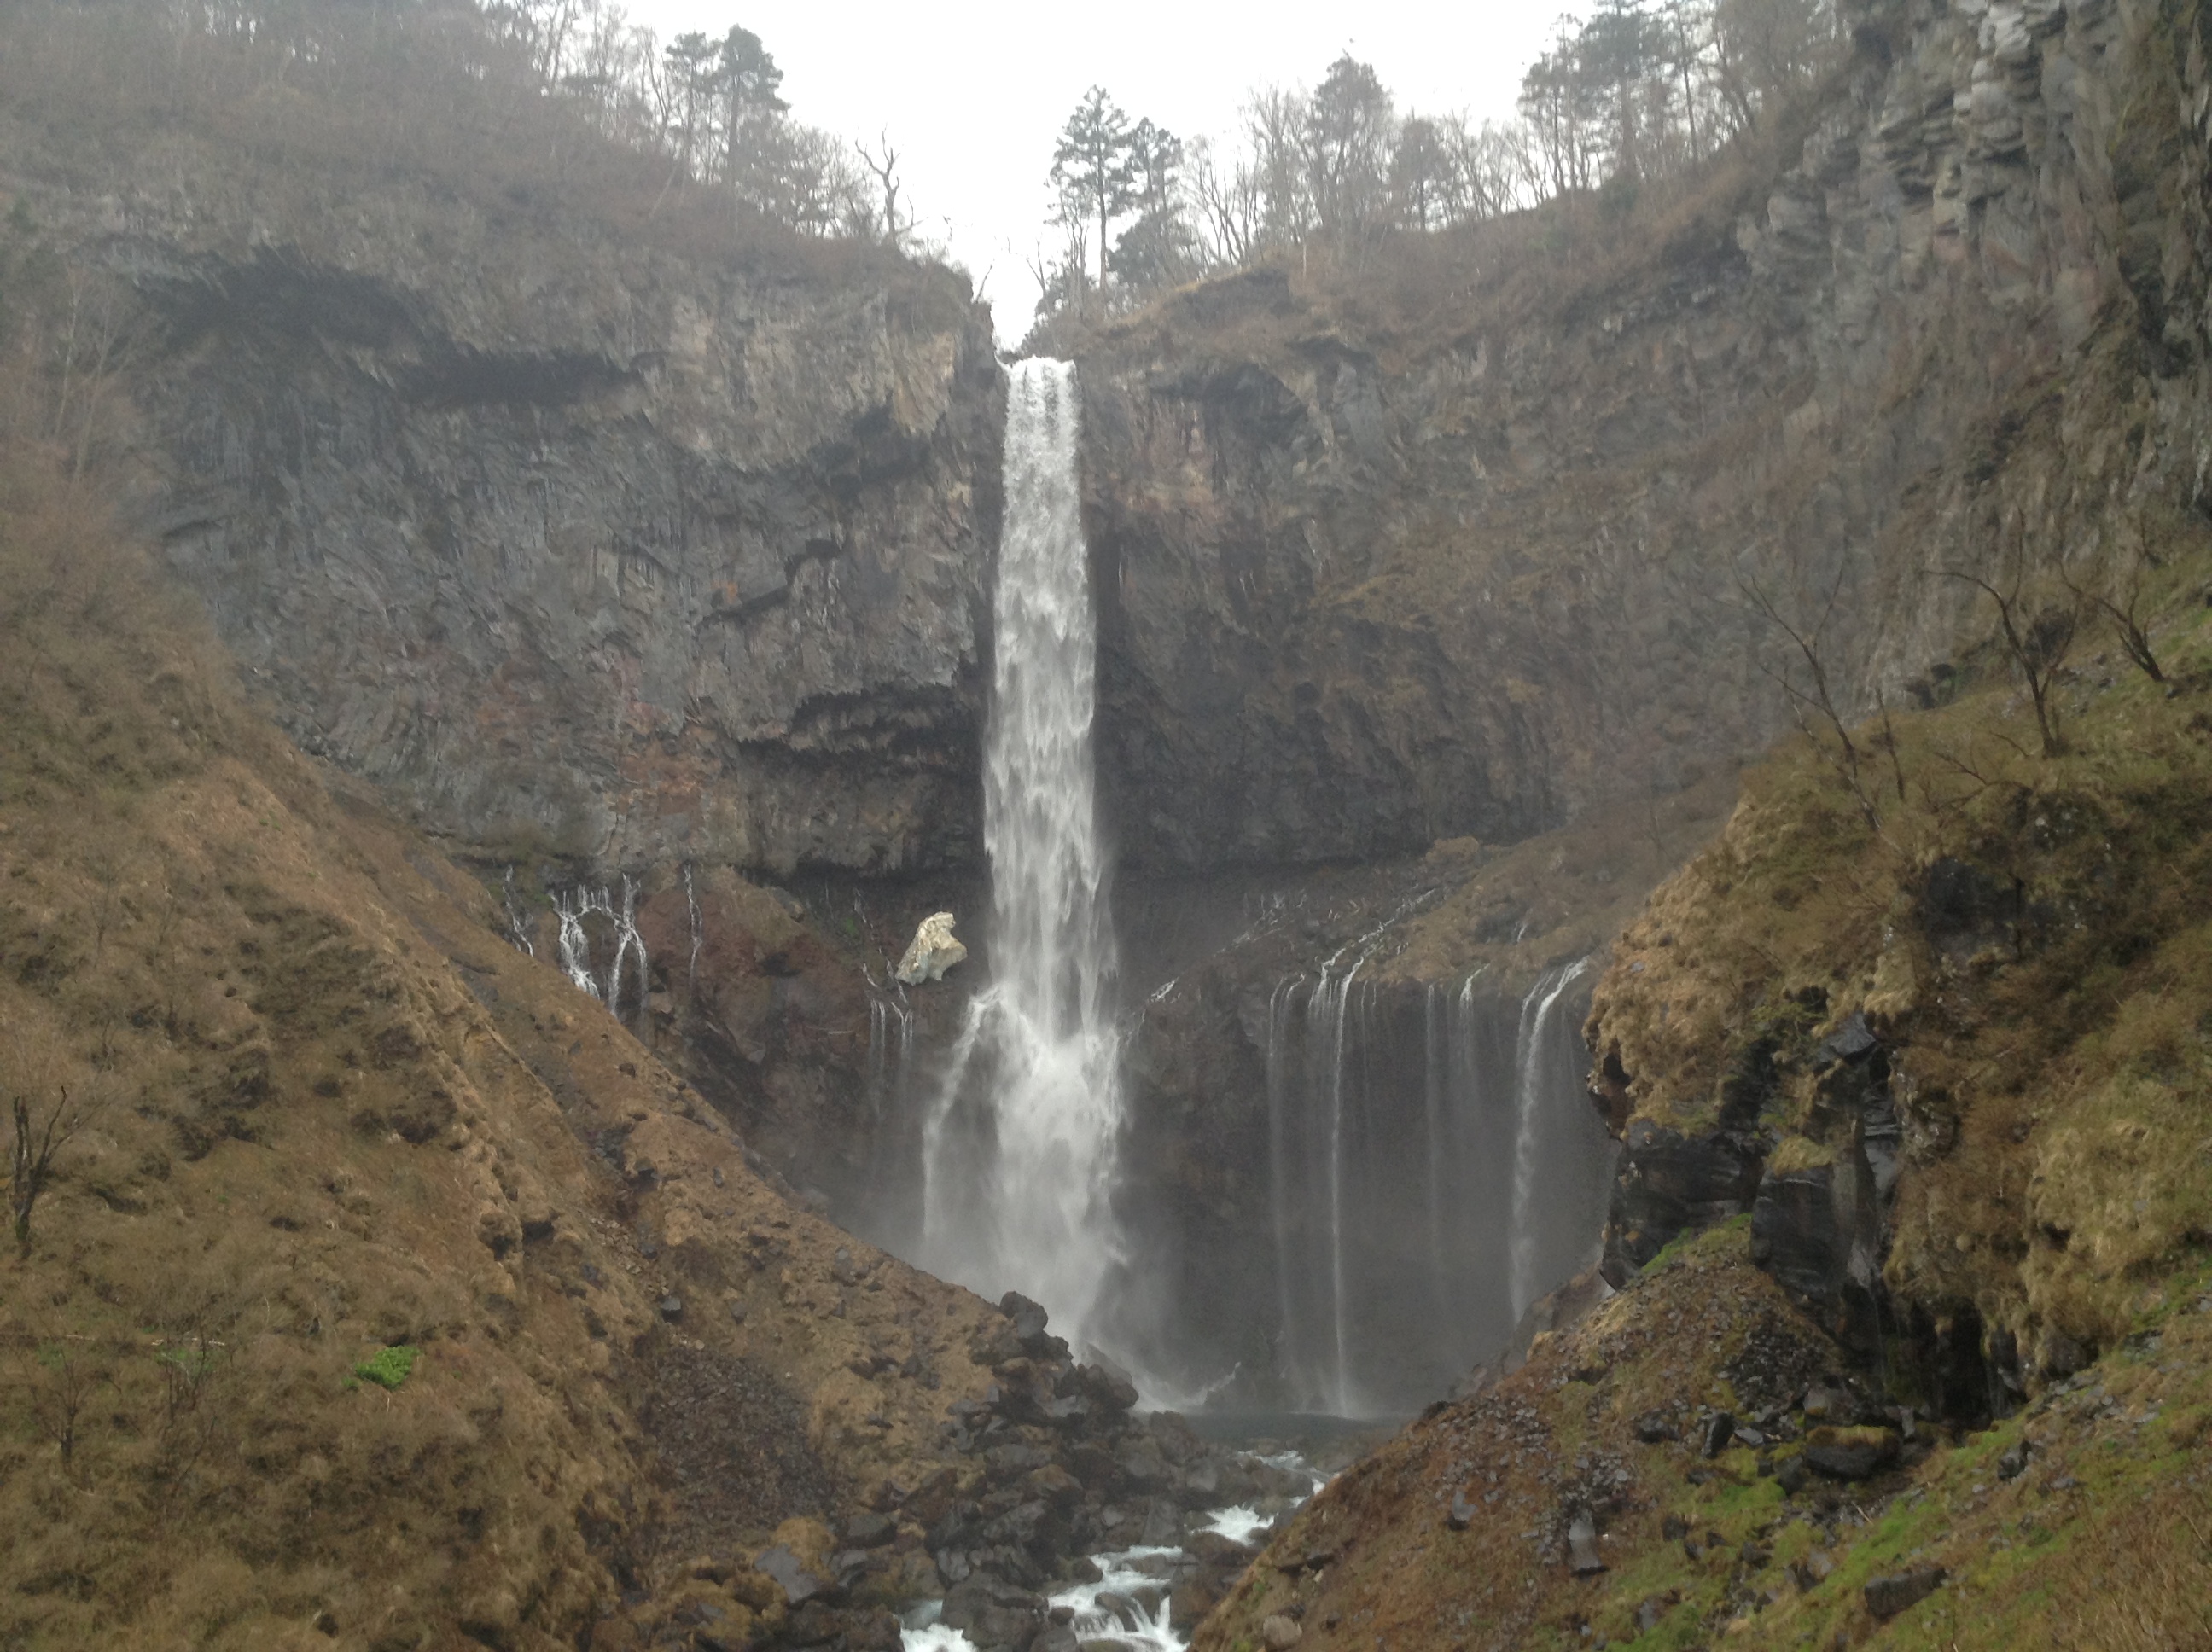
x=1470, y=539
x=628, y=552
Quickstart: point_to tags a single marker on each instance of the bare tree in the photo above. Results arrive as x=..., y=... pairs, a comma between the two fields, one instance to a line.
x=2036, y=636
x=882, y=161
x=58, y=1397
x=30, y=1156
x=2124, y=610
x=1811, y=696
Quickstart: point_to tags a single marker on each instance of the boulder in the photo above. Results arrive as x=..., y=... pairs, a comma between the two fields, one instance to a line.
x=1583, y=1557
x=1888, y=1596
x=1850, y=1453
x=933, y=952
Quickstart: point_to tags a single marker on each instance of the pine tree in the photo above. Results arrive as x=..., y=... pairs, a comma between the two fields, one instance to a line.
x=1094, y=168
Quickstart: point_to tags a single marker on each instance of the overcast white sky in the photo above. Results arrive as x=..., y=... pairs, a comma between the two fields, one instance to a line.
x=973, y=92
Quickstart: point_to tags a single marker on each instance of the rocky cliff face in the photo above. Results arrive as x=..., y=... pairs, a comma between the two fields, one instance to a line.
x=1471, y=543
x=615, y=551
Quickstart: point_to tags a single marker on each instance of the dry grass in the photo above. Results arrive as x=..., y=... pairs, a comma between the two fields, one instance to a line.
x=330, y=1111
x=2103, y=1540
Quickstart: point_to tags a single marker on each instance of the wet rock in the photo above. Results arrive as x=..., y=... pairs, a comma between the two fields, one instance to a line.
x=934, y=950
x=869, y=1531
x=1106, y=1385
x=1888, y=1596
x=992, y=1613
x=1027, y=1318
x=1214, y=1552
x=1669, y=1184
x=1850, y=1453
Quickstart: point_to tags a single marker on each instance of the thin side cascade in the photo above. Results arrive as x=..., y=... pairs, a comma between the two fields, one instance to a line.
x=1280, y=1006
x=576, y=944
x=1340, y=1400
x=1020, y=1151
x=1536, y=1014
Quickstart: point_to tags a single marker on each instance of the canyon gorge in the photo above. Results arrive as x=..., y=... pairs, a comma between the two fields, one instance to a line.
x=1543, y=895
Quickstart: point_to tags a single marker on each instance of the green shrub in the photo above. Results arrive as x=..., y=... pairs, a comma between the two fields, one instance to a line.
x=388, y=1367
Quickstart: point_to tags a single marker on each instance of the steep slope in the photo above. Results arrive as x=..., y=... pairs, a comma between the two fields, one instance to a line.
x=316, y=1109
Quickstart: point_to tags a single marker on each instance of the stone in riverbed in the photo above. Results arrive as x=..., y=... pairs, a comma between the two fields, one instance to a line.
x=932, y=953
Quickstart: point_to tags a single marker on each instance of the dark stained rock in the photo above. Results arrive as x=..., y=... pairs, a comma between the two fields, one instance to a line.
x=1888, y=1596
x=1668, y=1184
x=1718, y=1433
x=991, y=1612
x=869, y=1531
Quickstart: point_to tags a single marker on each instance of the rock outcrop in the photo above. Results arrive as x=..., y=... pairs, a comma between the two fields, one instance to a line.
x=600, y=547
x=1471, y=540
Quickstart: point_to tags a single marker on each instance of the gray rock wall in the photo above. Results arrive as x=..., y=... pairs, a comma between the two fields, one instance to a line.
x=629, y=553
x=1381, y=568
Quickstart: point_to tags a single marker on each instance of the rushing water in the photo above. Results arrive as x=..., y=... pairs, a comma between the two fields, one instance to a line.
x=1434, y=1165
x=1019, y=1150
x=1539, y=1049
x=576, y=948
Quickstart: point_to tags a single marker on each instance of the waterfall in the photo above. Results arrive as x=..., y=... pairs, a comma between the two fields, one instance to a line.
x=518, y=918
x=1535, y=1055
x=1281, y=1100
x=576, y=944
x=1020, y=1149
x=698, y=932
x=1434, y=1166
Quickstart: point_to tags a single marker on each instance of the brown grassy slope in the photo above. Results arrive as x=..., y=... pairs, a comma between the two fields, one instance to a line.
x=2100, y=1541
x=2027, y=936
x=326, y=1110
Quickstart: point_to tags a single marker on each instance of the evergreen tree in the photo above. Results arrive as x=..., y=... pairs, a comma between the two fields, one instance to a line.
x=1094, y=168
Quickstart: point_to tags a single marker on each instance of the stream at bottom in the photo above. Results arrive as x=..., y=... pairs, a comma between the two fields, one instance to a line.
x=1128, y=1606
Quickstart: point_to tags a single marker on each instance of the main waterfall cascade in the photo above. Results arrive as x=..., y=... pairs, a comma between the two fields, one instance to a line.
x=1019, y=1150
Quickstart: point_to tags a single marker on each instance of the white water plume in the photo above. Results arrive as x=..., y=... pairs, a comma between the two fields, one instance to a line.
x=1019, y=1152
x=576, y=944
